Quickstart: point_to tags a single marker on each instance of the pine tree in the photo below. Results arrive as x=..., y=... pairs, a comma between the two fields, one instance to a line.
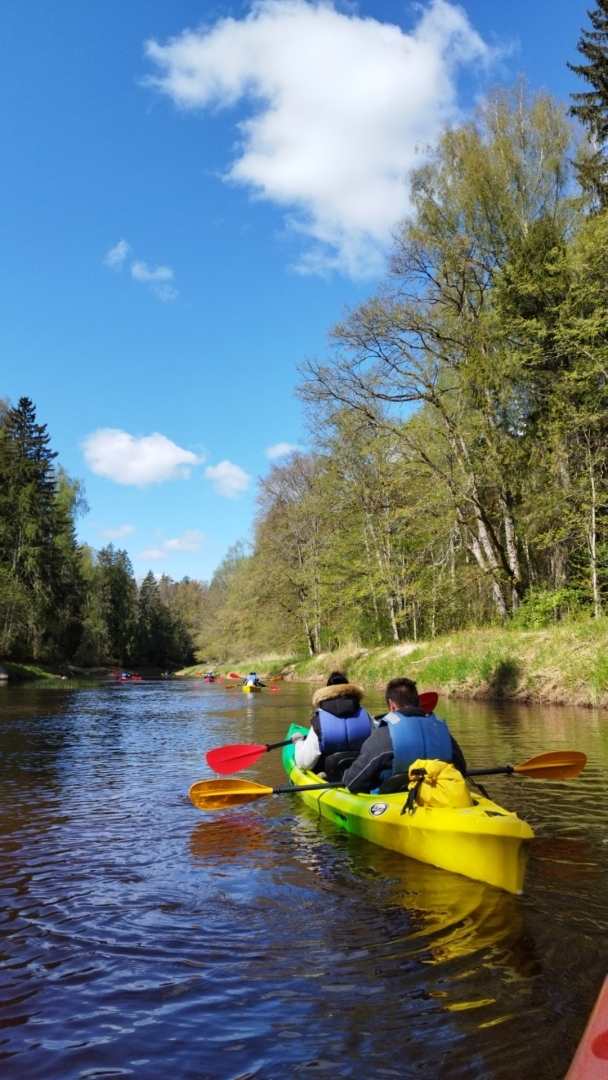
x=117, y=602
x=154, y=624
x=591, y=107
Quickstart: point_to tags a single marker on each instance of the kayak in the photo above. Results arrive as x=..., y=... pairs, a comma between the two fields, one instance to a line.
x=252, y=689
x=482, y=842
x=208, y=680
x=591, y=1059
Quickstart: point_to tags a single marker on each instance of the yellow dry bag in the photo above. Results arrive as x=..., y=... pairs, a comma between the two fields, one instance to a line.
x=436, y=783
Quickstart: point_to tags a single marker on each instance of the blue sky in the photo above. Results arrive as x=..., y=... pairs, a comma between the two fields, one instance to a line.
x=190, y=195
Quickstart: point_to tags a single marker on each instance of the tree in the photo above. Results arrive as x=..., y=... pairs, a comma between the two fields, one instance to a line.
x=430, y=338
x=591, y=106
x=154, y=638
x=38, y=549
x=116, y=598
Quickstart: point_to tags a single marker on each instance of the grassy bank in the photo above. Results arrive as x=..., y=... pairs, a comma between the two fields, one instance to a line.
x=30, y=671
x=266, y=666
x=566, y=663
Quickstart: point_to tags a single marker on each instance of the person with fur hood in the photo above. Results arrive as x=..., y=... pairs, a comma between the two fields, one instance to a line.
x=340, y=723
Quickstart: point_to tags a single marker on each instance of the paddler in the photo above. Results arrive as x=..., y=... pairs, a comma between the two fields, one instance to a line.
x=252, y=680
x=402, y=737
x=340, y=723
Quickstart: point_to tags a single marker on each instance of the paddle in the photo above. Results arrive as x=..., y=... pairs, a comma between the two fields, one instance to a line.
x=228, y=759
x=556, y=765
x=233, y=675
x=220, y=794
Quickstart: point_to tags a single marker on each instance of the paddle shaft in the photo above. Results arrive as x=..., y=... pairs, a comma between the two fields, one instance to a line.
x=293, y=789
x=508, y=769
x=276, y=745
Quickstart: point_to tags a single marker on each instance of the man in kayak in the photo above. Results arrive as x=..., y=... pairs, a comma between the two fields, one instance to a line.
x=401, y=738
x=340, y=723
x=252, y=680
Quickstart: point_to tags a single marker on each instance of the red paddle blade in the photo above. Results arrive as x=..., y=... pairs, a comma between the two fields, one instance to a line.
x=229, y=759
x=232, y=675
x=428, y=701
x=274, y=689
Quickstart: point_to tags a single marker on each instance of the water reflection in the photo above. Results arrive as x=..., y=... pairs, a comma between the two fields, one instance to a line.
x=139, y=938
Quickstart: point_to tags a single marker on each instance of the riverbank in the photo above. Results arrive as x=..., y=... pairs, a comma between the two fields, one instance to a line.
x=566, y=663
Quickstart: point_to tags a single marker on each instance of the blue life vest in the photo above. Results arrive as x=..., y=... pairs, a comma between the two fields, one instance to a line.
x=343, y=732
x=413, y=737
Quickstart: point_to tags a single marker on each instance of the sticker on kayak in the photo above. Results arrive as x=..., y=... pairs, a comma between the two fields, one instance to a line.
x=378, y=808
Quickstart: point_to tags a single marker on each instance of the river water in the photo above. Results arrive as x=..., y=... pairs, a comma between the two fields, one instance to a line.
x=142, y=938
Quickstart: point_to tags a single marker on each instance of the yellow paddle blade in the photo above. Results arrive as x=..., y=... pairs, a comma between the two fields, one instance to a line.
x=220, y=794
x=556, y=765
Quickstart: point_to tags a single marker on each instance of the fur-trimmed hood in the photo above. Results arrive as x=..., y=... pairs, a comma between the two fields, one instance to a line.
x=326, y=693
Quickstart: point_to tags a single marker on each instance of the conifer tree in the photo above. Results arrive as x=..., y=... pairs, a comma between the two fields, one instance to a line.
x=591, y=107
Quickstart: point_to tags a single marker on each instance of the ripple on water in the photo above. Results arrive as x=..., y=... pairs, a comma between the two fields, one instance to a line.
x=139, y=938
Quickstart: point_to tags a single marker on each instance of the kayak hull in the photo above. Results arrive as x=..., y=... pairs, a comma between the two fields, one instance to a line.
x=483, y=842
x=591, y=1059
x=252, y=689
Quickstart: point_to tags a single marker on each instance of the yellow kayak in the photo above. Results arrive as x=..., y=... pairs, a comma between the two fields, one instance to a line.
x=483, y=842
x=252, y=689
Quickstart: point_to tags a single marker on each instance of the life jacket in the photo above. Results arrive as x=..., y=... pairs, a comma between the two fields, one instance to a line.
x=343, y=732
x=416, y=737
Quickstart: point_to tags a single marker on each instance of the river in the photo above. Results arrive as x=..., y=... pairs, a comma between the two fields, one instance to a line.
x=142, y=938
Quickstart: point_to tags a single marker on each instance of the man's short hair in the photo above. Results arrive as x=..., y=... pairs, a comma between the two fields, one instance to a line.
x=403, y=692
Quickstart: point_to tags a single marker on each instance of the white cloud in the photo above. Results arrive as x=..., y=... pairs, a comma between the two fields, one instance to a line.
x=142, y=272
x=129, y=460
x=117, y=255
x=228, y=479
x=115, y=534
x=159, y=279
x=190, y=540
x=152, y=553
x=338, y=105
x=279, y=450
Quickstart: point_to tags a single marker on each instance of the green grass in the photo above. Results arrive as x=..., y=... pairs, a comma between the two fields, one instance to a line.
x=27, y=672
x=564, y=663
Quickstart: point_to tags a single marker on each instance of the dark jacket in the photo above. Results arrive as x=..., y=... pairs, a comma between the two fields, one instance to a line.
x=376, y=757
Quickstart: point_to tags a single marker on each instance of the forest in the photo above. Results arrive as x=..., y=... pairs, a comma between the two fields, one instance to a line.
x=457, y=471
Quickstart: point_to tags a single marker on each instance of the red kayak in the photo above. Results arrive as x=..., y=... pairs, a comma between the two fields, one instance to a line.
x=591, y=1059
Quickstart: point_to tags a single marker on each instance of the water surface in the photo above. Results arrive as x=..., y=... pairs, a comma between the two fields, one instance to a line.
x=141, y=938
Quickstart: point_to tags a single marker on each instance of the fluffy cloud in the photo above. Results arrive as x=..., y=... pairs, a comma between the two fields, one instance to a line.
x=338, y=105
x=228, y=479
x=129, y=460
x=279, y=450
x=190, y=540
x=116, y=256
x=115, y=534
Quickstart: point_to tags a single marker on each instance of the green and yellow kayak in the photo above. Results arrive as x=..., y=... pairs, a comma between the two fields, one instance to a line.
x=252, y=689
x=483, y=842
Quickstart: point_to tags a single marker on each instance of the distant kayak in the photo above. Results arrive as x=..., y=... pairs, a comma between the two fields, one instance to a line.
x=252, y=689
x=591, y=1059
